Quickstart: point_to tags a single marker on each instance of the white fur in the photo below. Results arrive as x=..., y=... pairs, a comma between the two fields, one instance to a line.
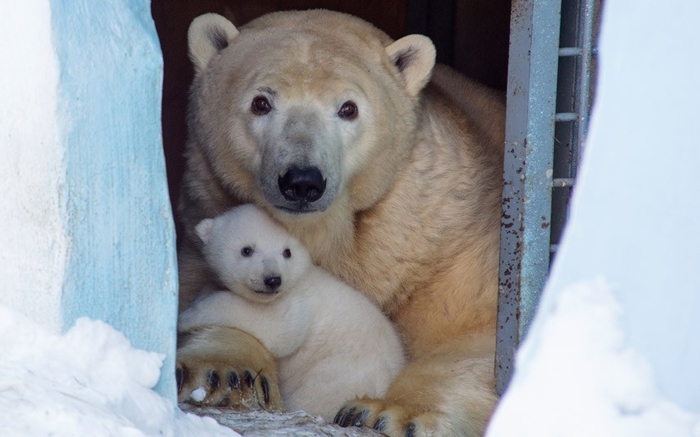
x=331, y=342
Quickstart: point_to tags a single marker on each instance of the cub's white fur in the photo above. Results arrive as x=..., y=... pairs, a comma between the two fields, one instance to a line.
x=331, y=342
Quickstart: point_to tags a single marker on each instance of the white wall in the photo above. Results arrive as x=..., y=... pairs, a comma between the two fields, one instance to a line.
x=614, y=348
x=86, y=225
x=33, y=242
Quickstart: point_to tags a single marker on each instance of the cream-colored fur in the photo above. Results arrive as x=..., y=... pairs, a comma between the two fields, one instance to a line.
x=411, y=211
x=331, y=342
x=229, y=378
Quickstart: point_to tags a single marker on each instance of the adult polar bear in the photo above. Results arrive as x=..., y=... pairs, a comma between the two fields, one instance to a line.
x=391, y=182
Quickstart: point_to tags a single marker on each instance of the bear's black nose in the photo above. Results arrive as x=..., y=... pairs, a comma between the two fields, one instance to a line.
x=302, y=184
x=273, y=282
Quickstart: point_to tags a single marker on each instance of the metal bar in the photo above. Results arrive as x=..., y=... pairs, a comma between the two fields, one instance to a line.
x=566, y=116
x=570, y=51
x=530, y=118
x=576, y=80
x=587, y=16
x=563, y=182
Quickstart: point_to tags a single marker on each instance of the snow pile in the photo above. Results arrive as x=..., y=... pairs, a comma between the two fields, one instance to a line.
x=90, y=381
x=581, y=379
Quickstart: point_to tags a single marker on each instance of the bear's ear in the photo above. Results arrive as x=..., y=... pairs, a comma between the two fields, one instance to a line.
x=414, y=56
x=208, y=35
x=203, y=230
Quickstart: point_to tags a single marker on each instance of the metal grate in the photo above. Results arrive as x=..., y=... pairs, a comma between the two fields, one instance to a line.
x=550, y=77
x=577, y=64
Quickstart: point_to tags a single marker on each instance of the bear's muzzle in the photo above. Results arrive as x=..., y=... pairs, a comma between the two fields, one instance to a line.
x=305, y=185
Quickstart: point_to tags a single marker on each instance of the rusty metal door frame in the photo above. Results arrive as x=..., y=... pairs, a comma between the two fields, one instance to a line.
x=541, y=99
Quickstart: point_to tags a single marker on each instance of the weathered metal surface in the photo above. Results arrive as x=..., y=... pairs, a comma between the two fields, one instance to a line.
x=551, y=74
x=532, y=79
x=574, y=100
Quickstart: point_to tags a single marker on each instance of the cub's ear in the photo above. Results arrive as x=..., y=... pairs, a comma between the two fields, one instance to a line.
x=203, y=230
x=208, y=35
x=414, y=56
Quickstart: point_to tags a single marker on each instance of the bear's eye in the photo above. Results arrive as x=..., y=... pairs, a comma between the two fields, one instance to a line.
x=348, y=111
x=247, y=251
x=287, y=253
x=260, y=105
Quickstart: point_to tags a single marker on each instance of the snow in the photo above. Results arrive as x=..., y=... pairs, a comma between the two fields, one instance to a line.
x=89, y=381
x=66, y=230
x=634, y=215
x=583, y=379
x=198, y=395
x=613, y=349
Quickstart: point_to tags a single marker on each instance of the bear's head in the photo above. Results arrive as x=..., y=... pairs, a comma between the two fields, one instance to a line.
x=297, y=110
x=251, y=255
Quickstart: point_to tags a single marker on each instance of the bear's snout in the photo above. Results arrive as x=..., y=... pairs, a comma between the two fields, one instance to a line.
x=302, y=185
x=272, y=282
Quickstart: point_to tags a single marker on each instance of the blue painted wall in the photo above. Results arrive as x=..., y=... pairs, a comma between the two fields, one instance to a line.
x=121, y=264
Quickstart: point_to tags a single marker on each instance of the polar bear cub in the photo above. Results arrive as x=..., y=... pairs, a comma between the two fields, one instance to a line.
x=332, y=344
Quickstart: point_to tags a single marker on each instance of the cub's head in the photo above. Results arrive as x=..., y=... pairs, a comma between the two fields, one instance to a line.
x=252, y=255
x=298, y=109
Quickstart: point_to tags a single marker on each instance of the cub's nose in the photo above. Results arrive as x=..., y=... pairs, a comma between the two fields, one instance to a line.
x=273, y=282
x=302, y=184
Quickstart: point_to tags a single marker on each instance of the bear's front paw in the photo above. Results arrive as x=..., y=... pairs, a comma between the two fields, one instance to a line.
x=394, y=420
x=224, y=367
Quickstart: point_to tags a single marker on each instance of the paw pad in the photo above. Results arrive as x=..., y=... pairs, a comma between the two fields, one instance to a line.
x=229, y=368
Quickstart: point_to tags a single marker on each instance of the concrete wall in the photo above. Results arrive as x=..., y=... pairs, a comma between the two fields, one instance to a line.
x=34, y=243
x=86, y=222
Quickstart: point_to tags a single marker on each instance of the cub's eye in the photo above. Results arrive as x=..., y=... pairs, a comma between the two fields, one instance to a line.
x=260, y=105
x=247, y=251
x=287, y=253
x=348, y=111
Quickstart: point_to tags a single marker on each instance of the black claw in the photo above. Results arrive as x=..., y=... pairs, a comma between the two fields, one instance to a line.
x=380, y=424
x=180, y=377
x=347, y=418
x=411, y=430
x=360, y=418
x=233, y=380
x=338, y=415
x=213, y=379
x=248, y=379
x=266, y=390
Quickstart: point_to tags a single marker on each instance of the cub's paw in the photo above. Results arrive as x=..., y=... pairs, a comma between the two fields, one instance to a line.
x=394, y=420
x=224, y=367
